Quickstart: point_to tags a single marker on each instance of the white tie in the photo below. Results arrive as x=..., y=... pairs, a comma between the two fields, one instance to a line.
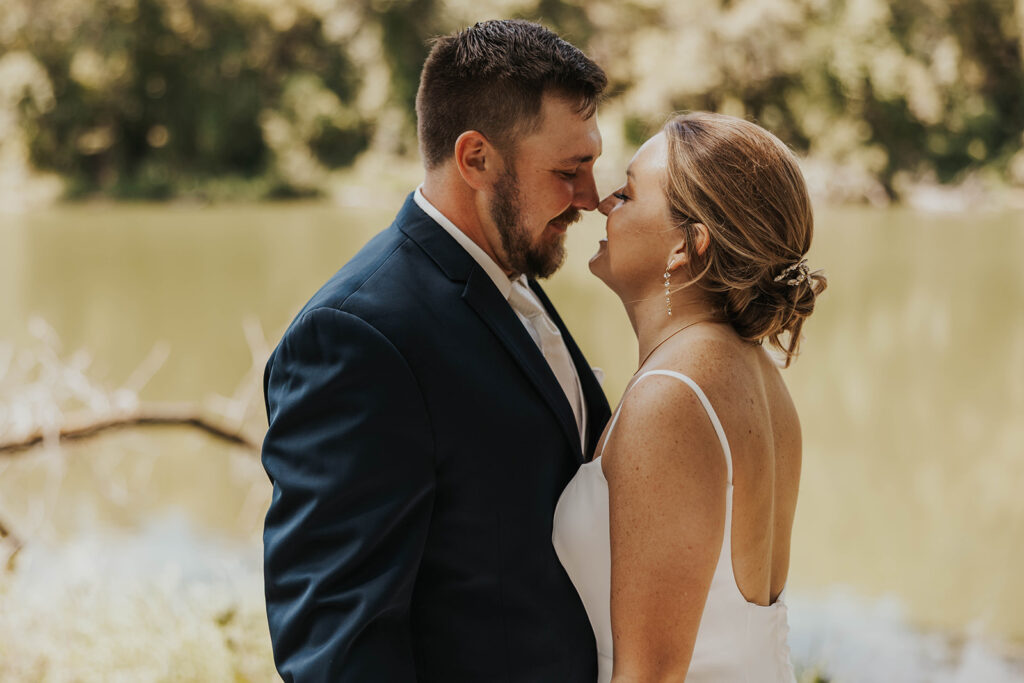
x=549, y=339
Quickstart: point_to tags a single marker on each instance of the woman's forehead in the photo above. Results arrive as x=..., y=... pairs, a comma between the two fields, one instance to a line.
x=650, y=161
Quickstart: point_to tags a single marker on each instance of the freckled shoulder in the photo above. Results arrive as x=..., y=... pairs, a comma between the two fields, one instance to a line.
x=724, y=368
x=662, y=426
x=709, y=360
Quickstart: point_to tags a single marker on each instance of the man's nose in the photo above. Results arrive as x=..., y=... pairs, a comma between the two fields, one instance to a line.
x=586, y=196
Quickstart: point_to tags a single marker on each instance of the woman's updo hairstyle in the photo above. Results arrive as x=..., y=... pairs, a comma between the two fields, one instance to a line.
x=746, y=187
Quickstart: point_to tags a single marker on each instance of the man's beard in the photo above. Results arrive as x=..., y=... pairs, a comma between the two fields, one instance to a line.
x=534, y=260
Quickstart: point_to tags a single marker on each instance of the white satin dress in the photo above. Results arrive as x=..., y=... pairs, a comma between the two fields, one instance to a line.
x=737, y=642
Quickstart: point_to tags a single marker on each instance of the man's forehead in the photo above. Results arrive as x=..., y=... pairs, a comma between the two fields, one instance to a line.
x=569, y=145
x=564, y=136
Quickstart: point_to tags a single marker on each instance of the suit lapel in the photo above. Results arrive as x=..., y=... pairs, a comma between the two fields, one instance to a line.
x=598, y=410
x=486, y=300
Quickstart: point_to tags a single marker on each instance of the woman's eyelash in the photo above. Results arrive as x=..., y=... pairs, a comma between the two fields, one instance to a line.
x=621, y=195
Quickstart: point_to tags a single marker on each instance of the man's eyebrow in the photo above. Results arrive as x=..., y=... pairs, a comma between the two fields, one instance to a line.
x=577, y=159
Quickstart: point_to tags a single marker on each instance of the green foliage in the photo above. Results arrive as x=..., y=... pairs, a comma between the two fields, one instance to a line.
x=157, y=98
x=911, y=88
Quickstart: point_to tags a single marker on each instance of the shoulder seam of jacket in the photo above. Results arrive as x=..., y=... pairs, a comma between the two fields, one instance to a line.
x=415, y=378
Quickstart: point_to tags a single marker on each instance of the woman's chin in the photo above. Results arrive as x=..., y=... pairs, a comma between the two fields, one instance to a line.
x=598, y=258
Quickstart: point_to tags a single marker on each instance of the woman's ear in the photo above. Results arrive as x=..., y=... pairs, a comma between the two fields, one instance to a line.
x=680, y=255
x=703, y=238
x=476, y=159
x=677, y=257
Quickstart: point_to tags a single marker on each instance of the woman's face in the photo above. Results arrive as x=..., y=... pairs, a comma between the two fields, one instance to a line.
x=640, y=236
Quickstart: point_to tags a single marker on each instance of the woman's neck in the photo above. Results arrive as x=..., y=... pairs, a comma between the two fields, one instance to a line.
x=654, y=326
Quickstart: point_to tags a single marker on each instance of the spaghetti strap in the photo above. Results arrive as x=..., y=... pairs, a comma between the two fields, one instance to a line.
x=715, y=422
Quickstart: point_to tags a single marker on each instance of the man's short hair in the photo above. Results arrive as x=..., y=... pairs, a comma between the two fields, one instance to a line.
x=491, y=78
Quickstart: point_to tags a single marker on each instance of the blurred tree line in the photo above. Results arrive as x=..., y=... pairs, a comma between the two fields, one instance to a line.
x=263, y=98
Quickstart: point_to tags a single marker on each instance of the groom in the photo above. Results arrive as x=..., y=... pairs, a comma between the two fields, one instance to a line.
x=428, y=405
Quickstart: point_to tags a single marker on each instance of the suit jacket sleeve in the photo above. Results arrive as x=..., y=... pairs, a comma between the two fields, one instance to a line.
x=349, y=451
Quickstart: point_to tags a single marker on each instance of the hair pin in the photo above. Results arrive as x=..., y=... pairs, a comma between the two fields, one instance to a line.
x=803, y=274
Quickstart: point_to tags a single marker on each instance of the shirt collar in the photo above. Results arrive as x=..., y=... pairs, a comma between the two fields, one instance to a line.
x=493, y=270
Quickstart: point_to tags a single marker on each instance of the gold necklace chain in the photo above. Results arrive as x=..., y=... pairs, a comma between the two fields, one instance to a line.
x=684, y=327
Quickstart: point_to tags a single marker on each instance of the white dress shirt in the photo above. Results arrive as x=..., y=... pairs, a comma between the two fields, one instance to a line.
x=504, y=285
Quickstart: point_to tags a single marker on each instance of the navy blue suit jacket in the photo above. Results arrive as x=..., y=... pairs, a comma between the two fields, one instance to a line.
x=418, y=444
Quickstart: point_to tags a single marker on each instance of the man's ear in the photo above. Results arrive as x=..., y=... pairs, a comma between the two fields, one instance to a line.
x=476, y=159
x=681, y=254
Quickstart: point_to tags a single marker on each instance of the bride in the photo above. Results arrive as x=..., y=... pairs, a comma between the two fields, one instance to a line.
x=677, y=534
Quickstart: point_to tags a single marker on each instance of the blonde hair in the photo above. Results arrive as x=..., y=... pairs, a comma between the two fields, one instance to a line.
x=745, y=186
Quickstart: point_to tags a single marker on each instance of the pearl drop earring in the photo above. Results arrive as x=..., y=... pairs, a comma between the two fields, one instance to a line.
x=668, y=294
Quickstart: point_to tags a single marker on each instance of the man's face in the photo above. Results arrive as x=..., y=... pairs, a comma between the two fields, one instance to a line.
x=543, y=189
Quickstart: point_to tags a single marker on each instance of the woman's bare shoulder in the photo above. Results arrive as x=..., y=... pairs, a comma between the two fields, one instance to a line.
x=662, y=425
x=720, y=365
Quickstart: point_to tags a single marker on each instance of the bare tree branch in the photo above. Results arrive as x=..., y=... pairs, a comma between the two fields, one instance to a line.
x=39, y=385
x=151, y=416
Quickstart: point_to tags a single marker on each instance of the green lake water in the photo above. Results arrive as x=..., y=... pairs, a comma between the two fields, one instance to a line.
x=910, y=386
